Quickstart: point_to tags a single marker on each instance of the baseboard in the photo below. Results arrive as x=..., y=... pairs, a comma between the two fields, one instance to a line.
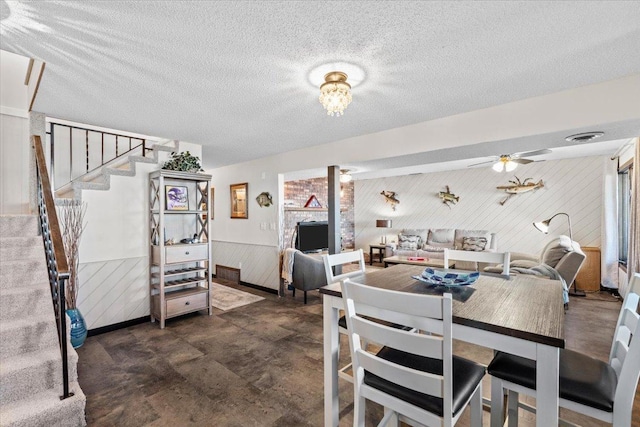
x=116, y=326
x=258, y=287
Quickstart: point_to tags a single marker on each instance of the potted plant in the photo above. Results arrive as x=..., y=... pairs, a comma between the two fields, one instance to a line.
x=184, y=162
x=71, y=216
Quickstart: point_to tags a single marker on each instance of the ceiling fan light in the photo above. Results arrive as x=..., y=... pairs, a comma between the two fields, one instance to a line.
x=498, y=166
x=345, y=176
x=510, y=165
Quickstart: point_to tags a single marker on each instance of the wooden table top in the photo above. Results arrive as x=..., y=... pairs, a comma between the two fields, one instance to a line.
x=524, y=306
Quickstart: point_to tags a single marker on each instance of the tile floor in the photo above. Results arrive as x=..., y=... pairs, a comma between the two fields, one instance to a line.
x=259, y=365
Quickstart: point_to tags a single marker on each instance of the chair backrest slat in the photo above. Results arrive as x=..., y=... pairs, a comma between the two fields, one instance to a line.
x=410, y=342
x=479, y=256
x=413, y=379
x=343, y=258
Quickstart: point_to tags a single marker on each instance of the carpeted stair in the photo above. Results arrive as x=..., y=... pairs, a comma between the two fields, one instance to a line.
x=30, y=361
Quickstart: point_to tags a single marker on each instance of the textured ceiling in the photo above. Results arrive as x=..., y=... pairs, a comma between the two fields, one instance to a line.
x=234, y=76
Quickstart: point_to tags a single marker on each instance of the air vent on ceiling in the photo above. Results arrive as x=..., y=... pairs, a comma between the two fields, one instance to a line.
x=584, y=137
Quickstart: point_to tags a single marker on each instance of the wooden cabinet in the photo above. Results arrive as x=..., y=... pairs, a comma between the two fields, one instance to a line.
x=588, y=278
x=180, y=250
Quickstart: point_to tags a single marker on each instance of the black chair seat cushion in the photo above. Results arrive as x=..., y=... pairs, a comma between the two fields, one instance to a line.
x=584, y=380
x=342, y=322
x=466, y=376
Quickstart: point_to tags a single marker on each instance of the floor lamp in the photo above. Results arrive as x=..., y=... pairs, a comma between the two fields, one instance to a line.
x=544, y=227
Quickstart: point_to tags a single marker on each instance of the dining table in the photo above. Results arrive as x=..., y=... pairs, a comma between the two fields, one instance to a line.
x=520, y=314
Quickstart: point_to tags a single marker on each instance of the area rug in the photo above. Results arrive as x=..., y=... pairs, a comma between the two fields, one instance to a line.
x=226, y=298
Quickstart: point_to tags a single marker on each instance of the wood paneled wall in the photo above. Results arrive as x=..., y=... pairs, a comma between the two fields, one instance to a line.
x=573, y=186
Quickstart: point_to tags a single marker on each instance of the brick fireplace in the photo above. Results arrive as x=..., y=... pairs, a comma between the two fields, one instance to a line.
x=296, y=194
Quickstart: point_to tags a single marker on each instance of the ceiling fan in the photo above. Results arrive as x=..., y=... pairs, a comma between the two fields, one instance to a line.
x=508, y=162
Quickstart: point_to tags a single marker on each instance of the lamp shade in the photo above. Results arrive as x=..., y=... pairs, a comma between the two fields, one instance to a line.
x=383, y=223
x=544, y=225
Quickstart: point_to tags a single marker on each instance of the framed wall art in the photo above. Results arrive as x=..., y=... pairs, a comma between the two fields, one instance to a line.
x=176, y=198
x=239, y=206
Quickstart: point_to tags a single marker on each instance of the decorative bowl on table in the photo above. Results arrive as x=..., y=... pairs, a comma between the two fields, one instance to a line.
x=448, y=277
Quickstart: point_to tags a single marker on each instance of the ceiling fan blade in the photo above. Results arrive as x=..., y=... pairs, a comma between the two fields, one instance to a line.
x=523, y=161
x=533, y=153
x=482, y=163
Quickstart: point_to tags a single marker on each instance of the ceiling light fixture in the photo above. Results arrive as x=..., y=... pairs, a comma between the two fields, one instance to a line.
x=335, y=93
x=584, y=137
x=504, y=164
x=345, y=176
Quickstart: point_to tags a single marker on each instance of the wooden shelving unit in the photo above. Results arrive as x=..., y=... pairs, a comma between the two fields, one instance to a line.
x=179, y=274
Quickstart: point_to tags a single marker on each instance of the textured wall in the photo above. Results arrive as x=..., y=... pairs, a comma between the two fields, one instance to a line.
x=298, y=192
x=573, y=186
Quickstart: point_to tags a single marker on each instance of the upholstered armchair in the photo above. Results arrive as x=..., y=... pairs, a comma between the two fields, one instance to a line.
x=308, y=273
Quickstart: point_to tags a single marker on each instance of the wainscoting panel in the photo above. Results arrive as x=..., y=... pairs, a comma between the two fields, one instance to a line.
x=258, y=264
x=114, y=291
x=573, y=186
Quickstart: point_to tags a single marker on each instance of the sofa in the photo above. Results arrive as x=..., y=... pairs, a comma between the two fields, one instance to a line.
x=430, y=243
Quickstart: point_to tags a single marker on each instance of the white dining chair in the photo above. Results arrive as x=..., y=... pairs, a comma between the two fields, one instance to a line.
x=415, y=376
x=479, y=256
x=600, y=390
x=342, y=259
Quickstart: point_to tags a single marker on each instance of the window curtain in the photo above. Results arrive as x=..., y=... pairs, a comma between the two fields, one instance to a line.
x=609, y=258
x=633, y=263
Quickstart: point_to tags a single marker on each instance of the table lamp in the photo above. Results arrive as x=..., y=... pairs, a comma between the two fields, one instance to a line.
x=544, y=227
x=383, y=223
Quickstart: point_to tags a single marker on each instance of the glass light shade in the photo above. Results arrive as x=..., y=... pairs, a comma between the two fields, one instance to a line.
x=498, y=166
x=509, y=166
x=335, y=93
x=345, y=176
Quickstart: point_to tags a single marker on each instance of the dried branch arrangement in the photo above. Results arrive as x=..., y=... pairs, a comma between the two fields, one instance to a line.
x=71, y=216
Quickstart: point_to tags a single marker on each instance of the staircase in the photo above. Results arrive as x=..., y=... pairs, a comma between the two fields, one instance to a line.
x=121, y=166
x=30, y=361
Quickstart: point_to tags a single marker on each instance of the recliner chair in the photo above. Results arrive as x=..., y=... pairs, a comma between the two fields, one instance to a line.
x=560, y=253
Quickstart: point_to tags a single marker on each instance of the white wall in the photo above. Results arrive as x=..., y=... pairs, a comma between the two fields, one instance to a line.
x=15, y=151
x=114, y=250
x=249, y=244
x=573, y=186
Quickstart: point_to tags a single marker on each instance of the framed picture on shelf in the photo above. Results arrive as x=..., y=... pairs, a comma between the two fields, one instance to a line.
x=176, y=198
x=239, y=207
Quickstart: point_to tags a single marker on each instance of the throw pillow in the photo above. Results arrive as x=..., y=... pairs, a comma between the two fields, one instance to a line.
x=409, y=242
x=427, y=247
x=474, y=243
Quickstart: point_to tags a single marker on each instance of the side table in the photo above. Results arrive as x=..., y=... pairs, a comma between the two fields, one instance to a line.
x=380, y=248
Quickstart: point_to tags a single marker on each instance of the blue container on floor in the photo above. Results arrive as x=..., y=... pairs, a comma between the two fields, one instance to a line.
x=77, y=328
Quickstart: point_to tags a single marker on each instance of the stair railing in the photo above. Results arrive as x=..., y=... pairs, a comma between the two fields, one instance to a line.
x=57, y=265
x=92, y=149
